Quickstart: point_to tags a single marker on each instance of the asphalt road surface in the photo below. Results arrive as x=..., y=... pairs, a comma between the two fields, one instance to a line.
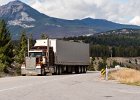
x=87, y=86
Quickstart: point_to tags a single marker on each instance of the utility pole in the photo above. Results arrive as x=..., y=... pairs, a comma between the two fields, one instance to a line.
x=110, y=49
x=28, y=46
x=111, y=53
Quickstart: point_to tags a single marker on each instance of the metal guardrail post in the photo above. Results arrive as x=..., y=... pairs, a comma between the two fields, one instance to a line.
x=106, y=76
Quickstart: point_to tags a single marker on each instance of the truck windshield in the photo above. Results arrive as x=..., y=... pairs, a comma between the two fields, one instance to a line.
x=37, y=54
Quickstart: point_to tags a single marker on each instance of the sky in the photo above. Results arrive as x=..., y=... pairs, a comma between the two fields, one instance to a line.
x=120, y=11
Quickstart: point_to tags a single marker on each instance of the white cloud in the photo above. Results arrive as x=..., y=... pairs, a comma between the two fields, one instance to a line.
x=135, y=20
x=38, y=5
x=68, y=9
x=121, y=11
x=2, y=2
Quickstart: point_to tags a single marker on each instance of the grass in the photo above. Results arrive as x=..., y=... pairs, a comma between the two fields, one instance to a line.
x=126, y=76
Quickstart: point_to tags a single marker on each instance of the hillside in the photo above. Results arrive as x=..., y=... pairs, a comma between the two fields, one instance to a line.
x=122, y=43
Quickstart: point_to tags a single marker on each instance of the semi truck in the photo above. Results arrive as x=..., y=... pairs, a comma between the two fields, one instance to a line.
x=56, y=57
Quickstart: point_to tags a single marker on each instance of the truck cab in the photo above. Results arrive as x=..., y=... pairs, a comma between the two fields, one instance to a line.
x=37, y=62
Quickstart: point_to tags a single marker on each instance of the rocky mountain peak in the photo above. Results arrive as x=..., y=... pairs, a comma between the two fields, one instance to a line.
x=18, y=13
x=11, y=8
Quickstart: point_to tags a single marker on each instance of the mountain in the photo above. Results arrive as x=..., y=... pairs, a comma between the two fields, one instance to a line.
x=20, y=16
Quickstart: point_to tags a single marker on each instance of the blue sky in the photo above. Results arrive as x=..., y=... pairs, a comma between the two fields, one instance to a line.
x=121, y=11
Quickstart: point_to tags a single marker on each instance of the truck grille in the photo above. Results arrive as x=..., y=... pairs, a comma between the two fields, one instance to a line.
x=30, y=62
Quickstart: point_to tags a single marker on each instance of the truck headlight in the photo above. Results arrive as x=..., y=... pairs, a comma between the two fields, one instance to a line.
x=38, y=66
x=23, y=66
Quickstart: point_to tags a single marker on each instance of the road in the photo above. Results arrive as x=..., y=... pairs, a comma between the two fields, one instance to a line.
x=87, y=86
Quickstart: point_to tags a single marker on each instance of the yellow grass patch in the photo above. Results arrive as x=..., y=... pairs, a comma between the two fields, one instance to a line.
x=126, y=76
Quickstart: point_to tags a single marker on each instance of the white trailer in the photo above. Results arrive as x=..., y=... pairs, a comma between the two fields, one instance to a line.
x=61, y=57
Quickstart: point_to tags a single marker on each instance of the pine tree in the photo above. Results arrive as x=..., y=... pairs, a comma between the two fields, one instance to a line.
x=6, y=47
x=22, y=49
x=44, y=36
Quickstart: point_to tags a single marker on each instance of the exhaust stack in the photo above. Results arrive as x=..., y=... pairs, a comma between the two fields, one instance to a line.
x=48, y=47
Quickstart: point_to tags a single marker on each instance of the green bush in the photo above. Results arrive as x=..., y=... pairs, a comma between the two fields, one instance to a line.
x=2, y=66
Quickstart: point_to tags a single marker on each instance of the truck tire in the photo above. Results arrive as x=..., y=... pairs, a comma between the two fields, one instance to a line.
x=76, y=70
x=69, y=69
x=57, y=70
x=84, y=68
x=80, y=69
x=23, y=74
x=54, y=71
x=60, y=70
x=42, y=71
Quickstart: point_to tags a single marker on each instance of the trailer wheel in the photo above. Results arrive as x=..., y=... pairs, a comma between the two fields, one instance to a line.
x=69, y=69
x=84, y=69
x=79, y=69
x=57, y=70
x=60, y=70
x=76, y=70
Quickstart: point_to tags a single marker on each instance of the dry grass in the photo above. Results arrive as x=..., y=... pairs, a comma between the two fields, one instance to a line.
x=126, y=76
